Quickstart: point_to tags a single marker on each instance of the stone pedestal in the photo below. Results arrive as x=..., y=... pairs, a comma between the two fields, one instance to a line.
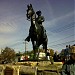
x=16, y=70
x=9, y=70
x=2, y=68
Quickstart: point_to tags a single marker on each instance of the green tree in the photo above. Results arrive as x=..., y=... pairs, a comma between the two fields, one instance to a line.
x=8, y=54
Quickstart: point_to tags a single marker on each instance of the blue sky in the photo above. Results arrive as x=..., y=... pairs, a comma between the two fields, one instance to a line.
x=59, y=23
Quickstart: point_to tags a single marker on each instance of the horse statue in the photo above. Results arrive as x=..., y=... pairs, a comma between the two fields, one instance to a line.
x=35, y=31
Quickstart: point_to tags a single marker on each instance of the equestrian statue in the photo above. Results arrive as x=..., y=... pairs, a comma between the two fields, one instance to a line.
x=37, y=33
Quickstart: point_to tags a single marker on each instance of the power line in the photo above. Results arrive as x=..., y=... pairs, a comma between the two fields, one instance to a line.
x=68, y=26
x=63, y=28
x=63, y=43
x=63, y=38
x=18, y=43
x=51, y=42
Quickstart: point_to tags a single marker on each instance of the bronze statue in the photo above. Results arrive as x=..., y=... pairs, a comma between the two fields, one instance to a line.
x=37, y=33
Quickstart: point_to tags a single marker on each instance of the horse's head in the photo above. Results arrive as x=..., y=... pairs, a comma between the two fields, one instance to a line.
x=30, y=11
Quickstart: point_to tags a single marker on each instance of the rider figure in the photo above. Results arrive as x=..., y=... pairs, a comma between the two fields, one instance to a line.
x=39, y=20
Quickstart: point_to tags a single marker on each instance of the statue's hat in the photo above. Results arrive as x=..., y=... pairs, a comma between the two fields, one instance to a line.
x=38, y=12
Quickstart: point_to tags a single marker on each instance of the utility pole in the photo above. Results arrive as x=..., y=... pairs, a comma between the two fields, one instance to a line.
x=25, y=48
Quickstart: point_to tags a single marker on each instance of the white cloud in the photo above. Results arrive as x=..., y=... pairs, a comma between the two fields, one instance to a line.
x=7, y=27
x=7, y=40
x=62, y=20
x=4, y=41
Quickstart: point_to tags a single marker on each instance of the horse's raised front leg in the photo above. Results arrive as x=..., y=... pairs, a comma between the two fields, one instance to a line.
x=27, y=39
